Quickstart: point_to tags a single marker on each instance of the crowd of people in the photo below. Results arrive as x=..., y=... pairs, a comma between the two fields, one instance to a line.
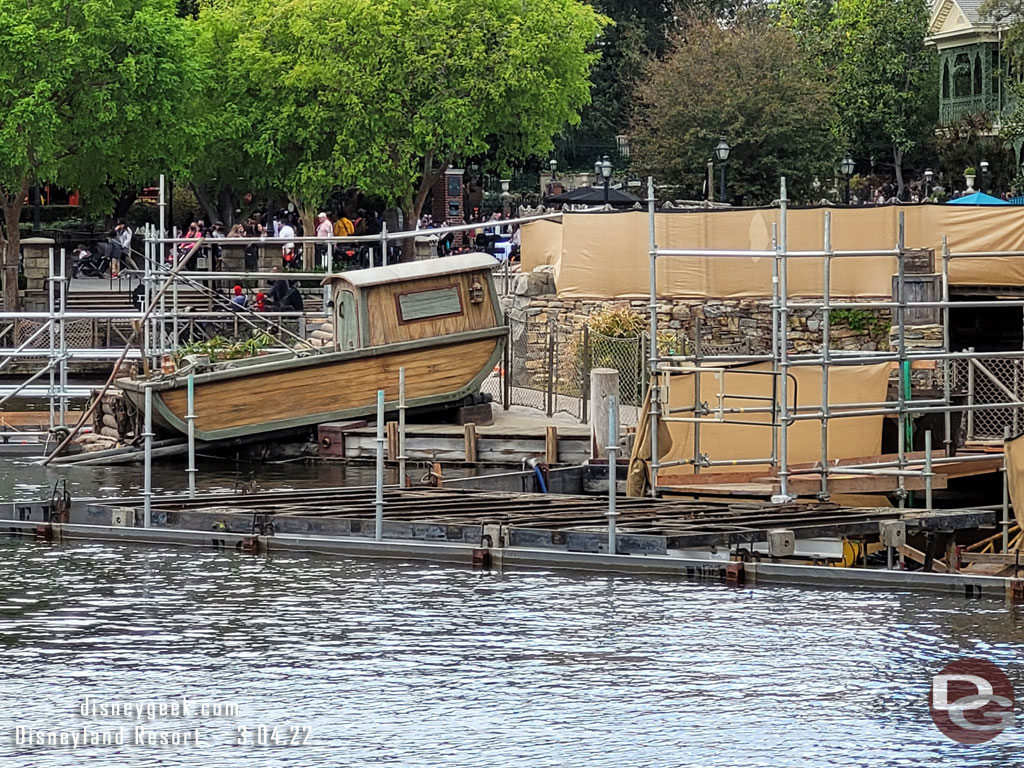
x=492, y=236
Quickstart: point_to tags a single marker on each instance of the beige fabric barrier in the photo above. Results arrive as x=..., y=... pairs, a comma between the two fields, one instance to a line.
x=1015, y=476
x=847, y=438
x=540, y=243
x=605, y=255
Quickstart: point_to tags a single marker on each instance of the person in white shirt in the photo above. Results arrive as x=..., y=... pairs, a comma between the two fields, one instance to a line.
x=324, y=230
x=120, y=246
x=288, y=249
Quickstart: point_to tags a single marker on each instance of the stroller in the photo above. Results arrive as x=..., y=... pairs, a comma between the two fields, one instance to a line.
x=89, y=264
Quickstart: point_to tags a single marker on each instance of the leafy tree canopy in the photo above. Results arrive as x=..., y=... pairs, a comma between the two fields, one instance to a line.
x=881, y=75
x=749, y=82
x=94, y=95
x=384, y=95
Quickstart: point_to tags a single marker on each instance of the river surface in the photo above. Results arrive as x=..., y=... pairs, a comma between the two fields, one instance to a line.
x=367, y=663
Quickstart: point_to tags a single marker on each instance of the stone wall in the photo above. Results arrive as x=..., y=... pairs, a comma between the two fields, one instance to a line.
x=738, y=325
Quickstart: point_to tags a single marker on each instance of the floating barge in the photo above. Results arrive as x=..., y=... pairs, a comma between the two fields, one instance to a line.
x=731, y=542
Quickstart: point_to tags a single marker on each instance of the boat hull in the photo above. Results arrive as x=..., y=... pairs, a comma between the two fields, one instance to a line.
x=326, y=387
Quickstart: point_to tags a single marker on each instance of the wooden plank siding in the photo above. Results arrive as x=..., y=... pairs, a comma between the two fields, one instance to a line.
x=386, y=327
x=282, y=395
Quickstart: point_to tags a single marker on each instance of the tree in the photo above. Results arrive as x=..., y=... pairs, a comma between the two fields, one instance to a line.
x=640, y=32
x=881, y=74
x=94, y=96
x=384, y=96
x=748, y=82
x=885, y=90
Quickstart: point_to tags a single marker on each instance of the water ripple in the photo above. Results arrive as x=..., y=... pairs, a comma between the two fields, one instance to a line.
x=405, y=664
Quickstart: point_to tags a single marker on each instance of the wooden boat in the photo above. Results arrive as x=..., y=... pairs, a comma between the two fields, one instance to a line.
x=439, y=319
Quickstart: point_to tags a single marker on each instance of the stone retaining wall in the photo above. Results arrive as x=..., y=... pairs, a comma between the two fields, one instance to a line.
x=736, y=324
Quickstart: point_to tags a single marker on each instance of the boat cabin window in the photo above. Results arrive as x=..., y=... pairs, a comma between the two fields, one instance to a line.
x=347, y=322
x=427, y=305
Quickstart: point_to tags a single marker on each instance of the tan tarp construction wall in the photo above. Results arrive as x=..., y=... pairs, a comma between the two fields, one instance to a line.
x=540, y=243
x=605, y=255
x=1015, y=476
x=847, y=438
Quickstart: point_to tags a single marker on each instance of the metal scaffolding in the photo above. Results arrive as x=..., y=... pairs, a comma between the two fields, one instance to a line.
x=783, y=407
x=46, y=352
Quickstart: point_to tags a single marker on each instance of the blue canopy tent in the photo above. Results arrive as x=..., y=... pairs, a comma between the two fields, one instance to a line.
x=978, y=198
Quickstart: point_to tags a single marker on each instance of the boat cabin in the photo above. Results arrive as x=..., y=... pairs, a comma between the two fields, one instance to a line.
x=413, y=301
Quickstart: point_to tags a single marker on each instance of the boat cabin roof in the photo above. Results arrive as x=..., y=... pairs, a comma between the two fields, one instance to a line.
x=413, y=270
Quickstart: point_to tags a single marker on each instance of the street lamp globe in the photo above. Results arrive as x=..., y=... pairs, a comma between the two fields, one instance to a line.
x=984, y=166
x=597, y=167
x=606, y=167
x=722, y=150
x=846, y=165
x=929, y=174
x=553, y=165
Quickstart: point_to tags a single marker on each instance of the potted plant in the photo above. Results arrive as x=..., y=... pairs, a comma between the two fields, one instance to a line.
x=969, y=174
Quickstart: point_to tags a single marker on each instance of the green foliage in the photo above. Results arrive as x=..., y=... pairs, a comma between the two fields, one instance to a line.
x=94, y=96
x=877, y=327
x=321, y=94
x=749, y=82
x=617, y=323
x=881, y=76
x=220, y=348
x=969, y=171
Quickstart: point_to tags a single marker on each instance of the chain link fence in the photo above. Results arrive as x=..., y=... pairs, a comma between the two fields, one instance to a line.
x=989, y=381
x=547, y=366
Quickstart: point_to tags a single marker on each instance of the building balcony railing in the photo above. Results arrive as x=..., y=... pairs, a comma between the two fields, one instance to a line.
x=953, y=110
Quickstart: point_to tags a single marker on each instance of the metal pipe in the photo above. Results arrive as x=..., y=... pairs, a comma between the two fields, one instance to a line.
x=379, y=502
x=947, y=394
x=904, y=365
x=928, y=469
x=403, y=235
x=1006, y=494
x=190, y=417
x=655, y=389
x=13, y=353
x=51, y=300
x=23, y=385
x=147, y=471
x=970, y=397
x=63, y=337
x=752, y=254
x=163, y=206
x=401, y=427
x=826, y=317
x=783, y=471
x=722, y=463
x=612, y=448
x=698, y=333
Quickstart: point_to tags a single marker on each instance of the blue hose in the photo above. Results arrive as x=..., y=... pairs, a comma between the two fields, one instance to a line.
x=540, y=479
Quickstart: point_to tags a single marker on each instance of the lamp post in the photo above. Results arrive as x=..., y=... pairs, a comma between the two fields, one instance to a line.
x=553, y=165
x=604, y=165
x=984, y=172
x=722, y=153
x=846, y=166
x=929, y=174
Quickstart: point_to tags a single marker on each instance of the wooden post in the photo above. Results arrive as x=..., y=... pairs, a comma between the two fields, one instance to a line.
x=551, y=446
x=471, y=443
x=393, y=449
x=603, y=382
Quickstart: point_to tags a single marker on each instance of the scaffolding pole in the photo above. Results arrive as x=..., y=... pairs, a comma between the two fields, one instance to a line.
x=783, y=358
x=655, y=388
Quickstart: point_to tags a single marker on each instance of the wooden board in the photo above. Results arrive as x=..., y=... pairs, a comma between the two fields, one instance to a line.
x=304, y=393
x=383, y=301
